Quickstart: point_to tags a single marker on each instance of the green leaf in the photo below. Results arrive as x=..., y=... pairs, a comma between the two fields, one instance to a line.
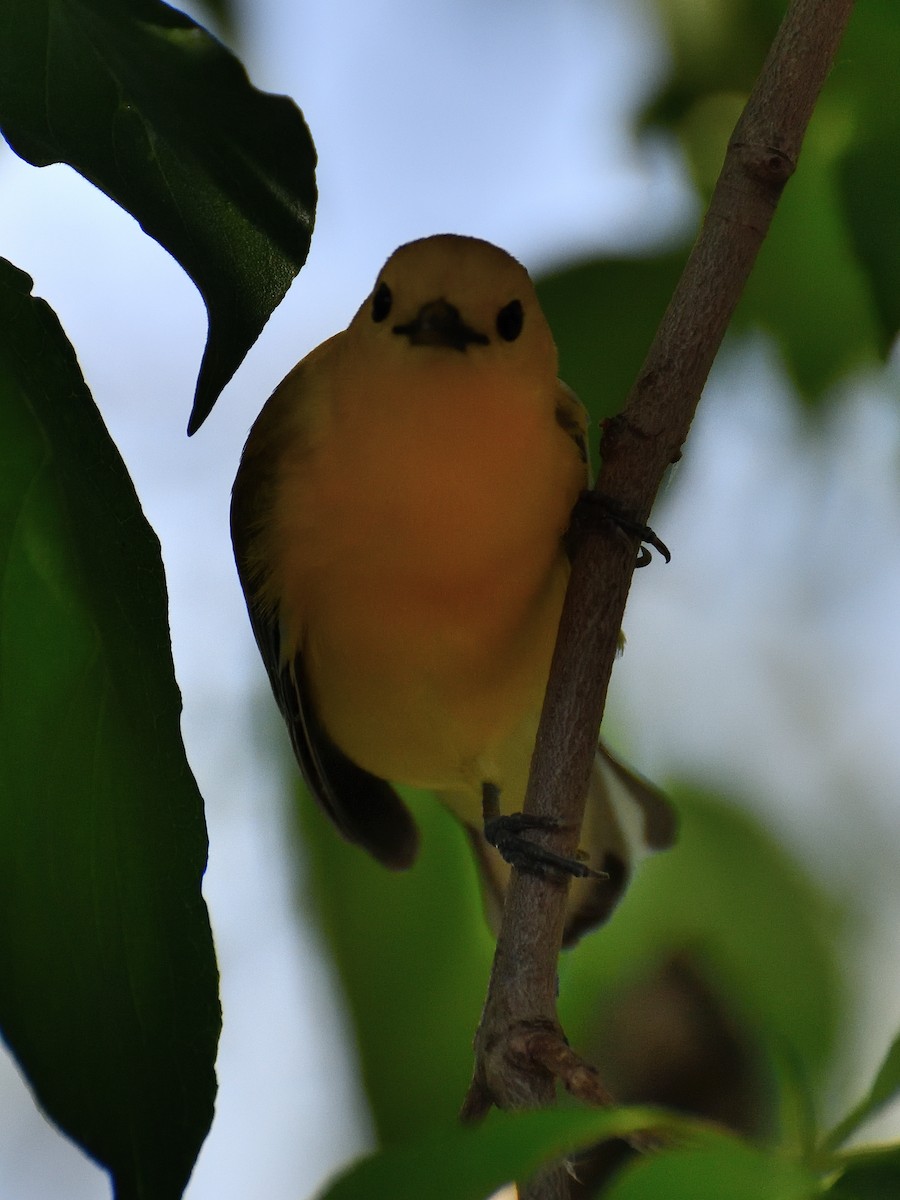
x=223, y=13
x=868, y=87
x=603, y=315
x=153, y=110
x=871, y=196
x=715, y=45
x=413, y=951
x=864, y=76
x=885, y=1088
x=807, y=288
x=721, y=896
x=727, y=1170
x=870, y=1175
x=455, y=1163
x=827, y=281
x=108, y=991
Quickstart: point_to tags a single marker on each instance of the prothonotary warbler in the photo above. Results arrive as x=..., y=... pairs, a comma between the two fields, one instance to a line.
x=398, y=521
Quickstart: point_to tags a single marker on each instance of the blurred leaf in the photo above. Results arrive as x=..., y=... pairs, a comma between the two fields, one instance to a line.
x=807, y=288
x=603, y=315
x=870, y=190
x=224, y=13
x=716, y=45
x=828, y=278
x=108, y=992
x=870, y=1175
x=159, y=115
x=867, y=84
x=705, y=131
x=864, y=77
x=458, y=1163
x=796, y=1122
x=721, y=894
x=885, y=1088
x=729, y=1170
x=729, y=896
x=413, y=951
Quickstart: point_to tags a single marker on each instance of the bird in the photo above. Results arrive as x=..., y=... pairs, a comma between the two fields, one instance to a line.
x=399, y=521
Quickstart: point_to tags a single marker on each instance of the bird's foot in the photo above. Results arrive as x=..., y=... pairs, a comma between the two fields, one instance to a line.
x=592, y=509
x=507, y=835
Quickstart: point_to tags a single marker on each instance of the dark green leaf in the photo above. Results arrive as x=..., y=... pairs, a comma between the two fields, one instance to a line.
x=225, y=13
x=453, y=1163
x=864, y=77
x=159, y=115
x=413, y=951
x=603, y=315
x=870, y=1175
x=108, y=990
x=871, y=194
x=807, y=288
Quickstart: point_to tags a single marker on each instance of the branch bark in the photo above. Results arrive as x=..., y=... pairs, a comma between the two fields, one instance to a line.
x=637, y=447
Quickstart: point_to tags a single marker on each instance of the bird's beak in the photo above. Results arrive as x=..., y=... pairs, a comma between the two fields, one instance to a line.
x=438, y=323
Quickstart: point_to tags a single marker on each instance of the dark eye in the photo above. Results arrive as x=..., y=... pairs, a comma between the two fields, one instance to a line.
x=509, y=320
x=381, y=302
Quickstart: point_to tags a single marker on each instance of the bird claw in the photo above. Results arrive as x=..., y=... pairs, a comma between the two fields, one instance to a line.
x=505, y=834
x=592, y=508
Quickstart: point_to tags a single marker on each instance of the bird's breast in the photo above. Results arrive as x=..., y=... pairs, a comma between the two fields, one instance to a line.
x=443, y=476
x=425, y=574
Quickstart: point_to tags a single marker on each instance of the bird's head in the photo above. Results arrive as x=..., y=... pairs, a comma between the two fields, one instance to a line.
x=453, y=298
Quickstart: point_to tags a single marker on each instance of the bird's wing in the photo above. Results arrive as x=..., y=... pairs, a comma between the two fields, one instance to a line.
x=365, y=808
x=626, y=818
x=572, y=416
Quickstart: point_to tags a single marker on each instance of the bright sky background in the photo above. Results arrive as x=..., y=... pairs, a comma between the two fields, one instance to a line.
x=765, y=658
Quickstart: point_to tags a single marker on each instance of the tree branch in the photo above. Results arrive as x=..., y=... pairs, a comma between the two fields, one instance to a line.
x=637, y=448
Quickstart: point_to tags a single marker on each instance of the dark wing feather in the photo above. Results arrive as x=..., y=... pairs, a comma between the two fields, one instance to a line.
x=365, y=808
x=572, y=418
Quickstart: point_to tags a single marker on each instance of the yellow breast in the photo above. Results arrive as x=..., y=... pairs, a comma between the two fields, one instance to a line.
x=421, y=569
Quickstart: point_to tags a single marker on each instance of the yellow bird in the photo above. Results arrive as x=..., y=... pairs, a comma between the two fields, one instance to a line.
x=398, y=521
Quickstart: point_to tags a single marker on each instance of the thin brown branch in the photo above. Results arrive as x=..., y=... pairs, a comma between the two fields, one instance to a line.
x=637, y=448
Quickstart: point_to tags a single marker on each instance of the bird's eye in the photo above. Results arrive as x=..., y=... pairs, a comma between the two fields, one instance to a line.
x=381, y=302
x=509, y=320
